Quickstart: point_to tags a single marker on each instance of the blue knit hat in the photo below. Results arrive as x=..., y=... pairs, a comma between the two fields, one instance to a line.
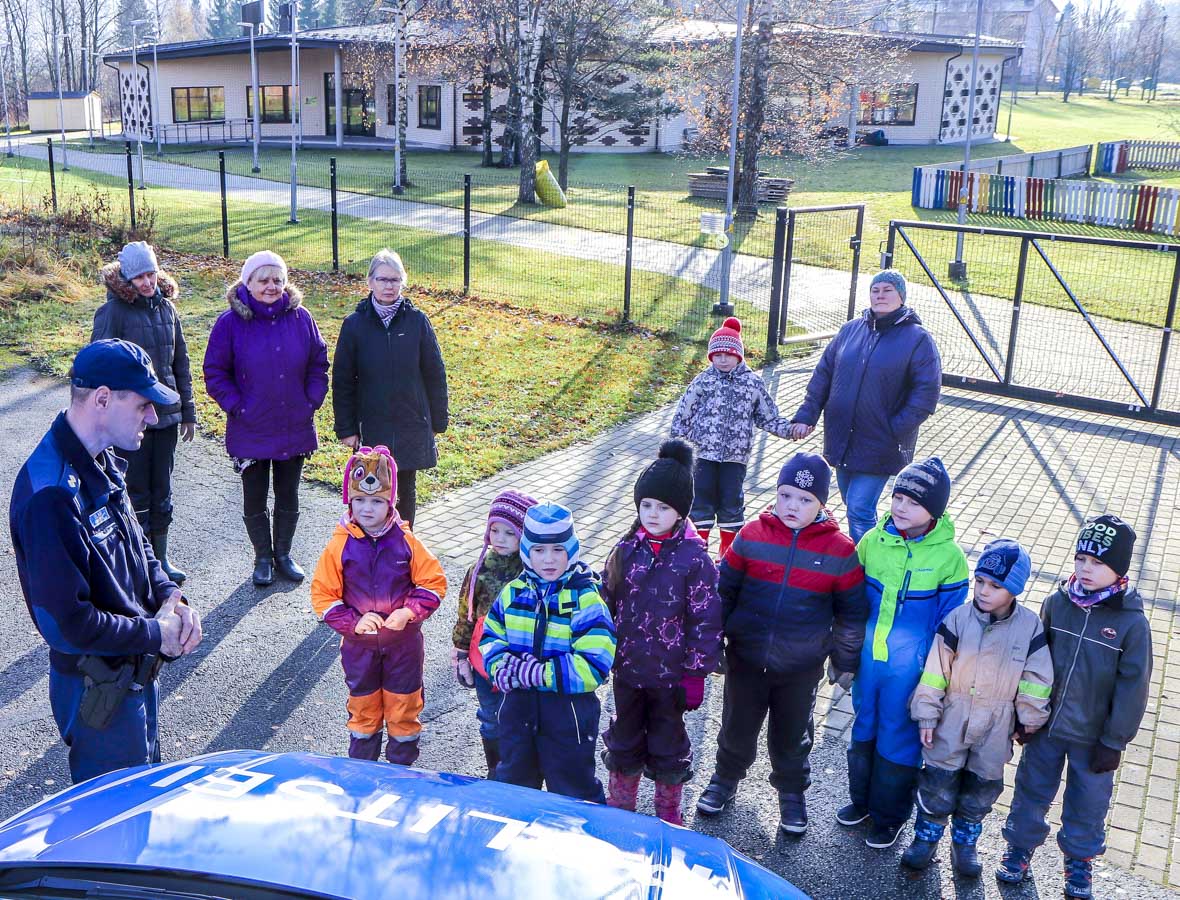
x=1006, y=563
x=893, y=277
x=808, y=472
x=549, y=523
x=136, y=258
x=927, y=484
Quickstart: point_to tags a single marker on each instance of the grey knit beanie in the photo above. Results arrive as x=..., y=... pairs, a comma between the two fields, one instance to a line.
x=136, y=258
x=893, y=277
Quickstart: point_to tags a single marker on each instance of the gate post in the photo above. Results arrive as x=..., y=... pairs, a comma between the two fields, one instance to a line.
x=52, y=176
x=224, y=213
x=776, y=283
x=466, y=234
x=788, y=252
x=887, y=256
x=335, y=219
x=1017, y=300
x=629, y=254
x=856, y=242
x=1167, y=337
x=130, y=183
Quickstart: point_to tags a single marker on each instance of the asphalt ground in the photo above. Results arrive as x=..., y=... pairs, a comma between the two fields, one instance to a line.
x=267, y=676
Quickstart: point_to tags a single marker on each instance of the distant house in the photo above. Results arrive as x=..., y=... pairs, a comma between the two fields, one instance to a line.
x=81, y=111
x=204, y=94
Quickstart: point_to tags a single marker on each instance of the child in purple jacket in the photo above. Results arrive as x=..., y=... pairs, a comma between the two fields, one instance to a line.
x=661, y=587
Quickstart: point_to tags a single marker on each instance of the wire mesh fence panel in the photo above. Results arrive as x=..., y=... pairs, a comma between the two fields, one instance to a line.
x=819, y=293
x=1091, y=317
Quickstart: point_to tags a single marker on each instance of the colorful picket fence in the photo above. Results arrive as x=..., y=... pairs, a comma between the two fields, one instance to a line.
x=1116, y=157
x=1140, y=207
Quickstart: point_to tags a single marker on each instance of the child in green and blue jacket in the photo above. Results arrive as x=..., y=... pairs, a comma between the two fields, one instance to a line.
x=915, y=574
x=548, y=643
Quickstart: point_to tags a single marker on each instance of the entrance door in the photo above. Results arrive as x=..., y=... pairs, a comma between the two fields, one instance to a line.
x=359, y=108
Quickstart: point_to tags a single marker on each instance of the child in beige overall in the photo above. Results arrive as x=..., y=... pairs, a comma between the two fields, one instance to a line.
x=987, y=679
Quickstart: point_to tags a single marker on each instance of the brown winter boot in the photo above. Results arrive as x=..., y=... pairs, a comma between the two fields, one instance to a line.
x=622, y=790
x=667, y=801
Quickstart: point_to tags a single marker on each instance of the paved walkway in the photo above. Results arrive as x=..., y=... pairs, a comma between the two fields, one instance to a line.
x=1056, y=351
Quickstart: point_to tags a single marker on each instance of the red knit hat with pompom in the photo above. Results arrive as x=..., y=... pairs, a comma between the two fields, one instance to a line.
x=728, y=339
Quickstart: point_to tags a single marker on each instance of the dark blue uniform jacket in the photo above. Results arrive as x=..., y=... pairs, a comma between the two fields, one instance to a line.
x=89, y=578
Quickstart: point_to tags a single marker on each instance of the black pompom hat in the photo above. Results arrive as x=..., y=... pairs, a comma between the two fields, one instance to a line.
x=669, y=478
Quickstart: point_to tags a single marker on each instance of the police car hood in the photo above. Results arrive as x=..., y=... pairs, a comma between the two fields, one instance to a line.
x=349, y=828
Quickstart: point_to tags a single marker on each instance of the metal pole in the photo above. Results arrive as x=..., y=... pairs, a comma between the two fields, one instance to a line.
x=958, y=268
x=52, y=176
x=629, y=253
x=4, y=90
x=776, y=283
x=1017, y=300
x=466, y=234
x=224, y=211
x=856, y=245
x=295, y=100
x=398, y=188
x=130, y=184
x=254, y=87
x=1167, y=338
x=135, y=96
x=156, y=92
x=335, y=218
x=788, y=262
x=61, y=107
x=723, y=307
x=87, y=89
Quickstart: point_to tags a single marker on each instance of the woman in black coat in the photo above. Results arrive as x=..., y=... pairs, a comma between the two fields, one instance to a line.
x=389, y=383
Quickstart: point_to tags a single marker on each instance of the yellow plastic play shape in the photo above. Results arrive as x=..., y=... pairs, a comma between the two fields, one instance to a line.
x=548, y=189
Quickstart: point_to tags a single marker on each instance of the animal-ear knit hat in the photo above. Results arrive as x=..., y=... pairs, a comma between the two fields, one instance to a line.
x=509, y=509
x=669, y=478
x=728, y=339
x=370, y=472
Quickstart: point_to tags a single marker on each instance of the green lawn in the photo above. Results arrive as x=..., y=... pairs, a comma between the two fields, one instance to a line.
x=521, y=383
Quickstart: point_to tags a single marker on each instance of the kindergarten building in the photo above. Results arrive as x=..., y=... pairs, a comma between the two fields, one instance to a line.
x=200, y=91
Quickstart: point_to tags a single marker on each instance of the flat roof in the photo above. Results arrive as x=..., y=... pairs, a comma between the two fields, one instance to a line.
x=65, y=95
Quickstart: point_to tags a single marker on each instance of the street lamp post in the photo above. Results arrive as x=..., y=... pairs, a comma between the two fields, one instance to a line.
x=295, y=101
x=135, y=23
x=156, y=92
x=86, y=99
x=4, y=92
x=399, y=25
x=61, y=107
x=723, y=307
x=254, y=90
x=957, y=269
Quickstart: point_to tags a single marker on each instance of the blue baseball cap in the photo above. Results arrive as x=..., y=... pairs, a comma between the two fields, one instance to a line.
x=120, y=366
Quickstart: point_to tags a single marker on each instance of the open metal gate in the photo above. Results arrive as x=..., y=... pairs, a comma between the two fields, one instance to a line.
x=815, y=271
x=1066, y=319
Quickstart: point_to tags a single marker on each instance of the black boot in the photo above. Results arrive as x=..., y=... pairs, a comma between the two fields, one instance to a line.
x=258, y=528
x=491, y=752
x=927, y=834
x=160, y=548
x=964, y=857
x=285, y=522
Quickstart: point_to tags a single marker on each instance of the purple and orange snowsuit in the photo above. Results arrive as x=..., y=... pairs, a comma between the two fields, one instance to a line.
x=358, y=574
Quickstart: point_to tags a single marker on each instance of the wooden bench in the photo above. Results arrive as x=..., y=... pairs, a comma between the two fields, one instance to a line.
x=711, y=185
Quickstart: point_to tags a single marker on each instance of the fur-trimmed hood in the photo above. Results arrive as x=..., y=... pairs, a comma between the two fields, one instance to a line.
x=231, y=297
x=123, y=289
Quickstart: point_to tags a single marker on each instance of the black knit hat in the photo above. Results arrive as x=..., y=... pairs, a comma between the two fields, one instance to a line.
x=669, y=478
x=927, y=484
x=1109, y=540
x=807, y=472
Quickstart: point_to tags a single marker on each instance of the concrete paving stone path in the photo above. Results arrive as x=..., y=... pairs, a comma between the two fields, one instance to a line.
x=267, y=675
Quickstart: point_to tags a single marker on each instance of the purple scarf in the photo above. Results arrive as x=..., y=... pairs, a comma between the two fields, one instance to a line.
x=1085, y=600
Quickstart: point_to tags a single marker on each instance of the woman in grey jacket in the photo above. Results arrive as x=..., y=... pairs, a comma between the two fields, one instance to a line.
x=140, y=308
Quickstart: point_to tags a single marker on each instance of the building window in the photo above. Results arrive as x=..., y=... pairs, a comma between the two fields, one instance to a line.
x=198, y=104
x=430, y=106
x=894, y=106
x=276, y=102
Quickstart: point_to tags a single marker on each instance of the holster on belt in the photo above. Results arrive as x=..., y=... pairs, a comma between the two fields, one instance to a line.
x=109, y=680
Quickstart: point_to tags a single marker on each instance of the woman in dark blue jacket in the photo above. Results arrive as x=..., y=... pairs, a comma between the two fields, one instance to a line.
x=876, y=383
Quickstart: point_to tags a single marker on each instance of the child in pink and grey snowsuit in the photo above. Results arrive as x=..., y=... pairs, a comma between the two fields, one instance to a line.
x=661, y=587
x=375, y=584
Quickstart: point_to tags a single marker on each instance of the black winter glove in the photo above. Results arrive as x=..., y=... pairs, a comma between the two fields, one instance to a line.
x=1021, y=734
x=1104, y=758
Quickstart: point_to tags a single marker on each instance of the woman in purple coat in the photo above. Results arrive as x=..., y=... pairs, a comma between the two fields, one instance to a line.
x=267, y=367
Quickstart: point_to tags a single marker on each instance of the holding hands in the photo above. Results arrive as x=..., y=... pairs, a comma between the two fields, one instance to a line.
x=800, y=430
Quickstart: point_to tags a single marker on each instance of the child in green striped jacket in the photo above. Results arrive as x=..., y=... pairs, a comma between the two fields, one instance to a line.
x=548, y=643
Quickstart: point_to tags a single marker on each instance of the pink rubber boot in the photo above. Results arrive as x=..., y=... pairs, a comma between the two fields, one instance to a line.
x=667, y=802
x=622, y=790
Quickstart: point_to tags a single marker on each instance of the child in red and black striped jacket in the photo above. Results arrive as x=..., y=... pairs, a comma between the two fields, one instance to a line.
x=793, y=599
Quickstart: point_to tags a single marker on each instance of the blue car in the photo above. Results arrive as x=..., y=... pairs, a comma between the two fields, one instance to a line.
x=244, y=824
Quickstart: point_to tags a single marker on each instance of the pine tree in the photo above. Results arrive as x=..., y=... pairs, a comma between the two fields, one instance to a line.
x=221, y=22
x=129, y=11
x=200, y=26
x=309, y=14
x=329, y=14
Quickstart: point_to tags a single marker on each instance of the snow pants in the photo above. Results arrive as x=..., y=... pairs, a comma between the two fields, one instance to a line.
x=384, y=677
x=549, y=738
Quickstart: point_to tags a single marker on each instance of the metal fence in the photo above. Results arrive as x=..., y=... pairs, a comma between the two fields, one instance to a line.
x=1058, y=318
x=614, y=254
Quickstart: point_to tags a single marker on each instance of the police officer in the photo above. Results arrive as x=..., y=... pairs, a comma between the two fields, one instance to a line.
x=96, y=592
